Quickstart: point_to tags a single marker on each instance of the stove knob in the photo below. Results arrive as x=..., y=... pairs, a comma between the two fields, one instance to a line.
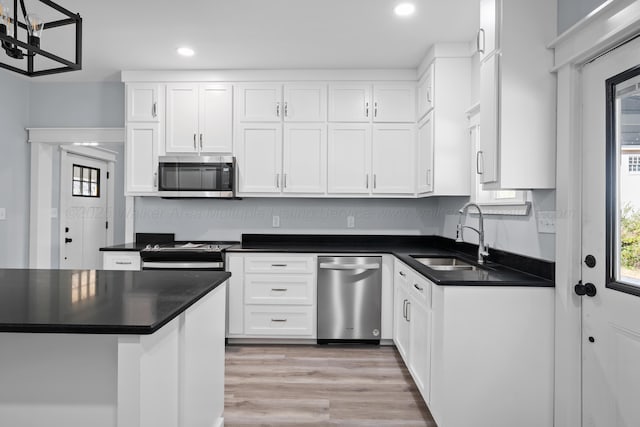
x=156, y=247
x=146, y=248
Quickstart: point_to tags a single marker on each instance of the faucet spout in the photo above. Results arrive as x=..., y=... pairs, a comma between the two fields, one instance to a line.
x=483, y=249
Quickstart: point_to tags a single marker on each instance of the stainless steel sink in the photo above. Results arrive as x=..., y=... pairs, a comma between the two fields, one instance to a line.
x=446, y=263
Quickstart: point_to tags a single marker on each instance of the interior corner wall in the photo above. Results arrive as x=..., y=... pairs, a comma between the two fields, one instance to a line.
x=572, y=11
x=14, y=171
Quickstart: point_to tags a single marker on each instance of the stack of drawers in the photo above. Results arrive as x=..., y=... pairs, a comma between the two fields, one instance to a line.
x=280, y=295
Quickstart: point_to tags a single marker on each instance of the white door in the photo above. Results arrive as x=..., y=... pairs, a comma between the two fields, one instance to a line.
x=259, y=103
x=141, y=159
x=216, y=119
x=393, y=159
x=349, y=159
x=182, y=118
x=260, y=158
x=489, y=122
x=305, y=158
x=420, y=348
x=400, y=320
x=305, y=103
x=611, y=317
x=394, y=103
x=83, y=216
x=350, y=103
x=425, y=154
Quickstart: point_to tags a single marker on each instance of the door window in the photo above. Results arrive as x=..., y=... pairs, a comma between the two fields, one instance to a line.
x=623, y=175
x=86, y=181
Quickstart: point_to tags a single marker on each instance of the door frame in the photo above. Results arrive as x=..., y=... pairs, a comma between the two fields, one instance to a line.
x=92, y=153
x=604, y=29
x=43, y=142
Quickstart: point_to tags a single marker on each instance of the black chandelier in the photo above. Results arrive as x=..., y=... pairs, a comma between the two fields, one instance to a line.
x=33, y=26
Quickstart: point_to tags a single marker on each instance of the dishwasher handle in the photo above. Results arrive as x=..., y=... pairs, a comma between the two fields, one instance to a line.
x=333, y=266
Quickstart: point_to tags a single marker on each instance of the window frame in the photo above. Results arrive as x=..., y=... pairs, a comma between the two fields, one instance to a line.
x=81, y=180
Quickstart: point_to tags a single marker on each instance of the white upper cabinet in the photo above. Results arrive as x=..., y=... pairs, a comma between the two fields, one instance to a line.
x=425, y=154
x=425, y=92
x=488, y=38
x=394, y=103
x=305, y=103
x=393, y=159
x=486, y=161
x=349, y=163
x=143, y=102
x=305, y=158
x=259, y=103
x=199, y=118
x=259, y=158
x=350, y=103
x=141, y=159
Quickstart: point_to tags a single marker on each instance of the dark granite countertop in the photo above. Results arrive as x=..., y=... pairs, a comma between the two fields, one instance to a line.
x=98, y=302
x=125, y=247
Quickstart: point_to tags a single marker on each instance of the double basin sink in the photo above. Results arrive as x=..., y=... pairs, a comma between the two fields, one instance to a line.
x=446, y=263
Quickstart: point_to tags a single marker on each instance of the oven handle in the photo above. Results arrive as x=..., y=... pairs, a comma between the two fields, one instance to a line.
x=181, y=265
x=332, y=266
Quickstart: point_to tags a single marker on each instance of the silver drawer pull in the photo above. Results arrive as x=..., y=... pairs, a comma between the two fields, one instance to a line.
x=279, y=320
x=279, y=289
x=123, y=262
x=278, y=265
x=401, y=273
x=331, y=266
x=415, y=285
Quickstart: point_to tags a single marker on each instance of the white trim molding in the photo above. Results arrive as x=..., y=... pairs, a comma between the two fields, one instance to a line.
x=57, y=136
x=608, y=26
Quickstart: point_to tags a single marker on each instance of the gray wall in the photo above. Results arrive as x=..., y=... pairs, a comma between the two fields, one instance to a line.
x=14, y=170
x=572, y=11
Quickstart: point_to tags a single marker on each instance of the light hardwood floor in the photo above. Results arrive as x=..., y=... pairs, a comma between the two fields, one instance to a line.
x=320, y=386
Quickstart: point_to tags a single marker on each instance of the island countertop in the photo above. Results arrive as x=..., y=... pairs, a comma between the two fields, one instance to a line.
x=99, y=302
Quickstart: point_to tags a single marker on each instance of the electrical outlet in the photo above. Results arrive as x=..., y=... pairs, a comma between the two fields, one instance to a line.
x=546, y=222
x=276, y=221
x=351, y=221
x=3, y=214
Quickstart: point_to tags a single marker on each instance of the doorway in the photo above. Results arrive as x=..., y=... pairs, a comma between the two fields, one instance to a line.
x=610, y=285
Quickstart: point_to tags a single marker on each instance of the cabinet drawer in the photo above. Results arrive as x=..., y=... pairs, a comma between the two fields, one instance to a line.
x=121, y=261
x=402, y=273
x=420, y=289
x=279, y=289
x=279, y=264
x=279, y=320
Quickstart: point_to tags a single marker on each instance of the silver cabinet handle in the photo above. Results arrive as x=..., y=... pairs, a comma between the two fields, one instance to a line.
x=286, y=109
x=479, y=155
x=200, y=142
x=367, y=181
x=332, y=266
x=123, y=262
x=481, y=49
x=195, y=146
x=277, y=180
x=375, y=181
x=415, y=285
x=154, y=109
x=155, y=180
x=366, y=109
x=277, y=109
x=408, y=311
x=428, y=176
x=279, y=289
x=278, y=320
x=375, y=109
x=429, y=94
x=401, y=273
x=404, y=309
x=278, y=265
x=285, y=180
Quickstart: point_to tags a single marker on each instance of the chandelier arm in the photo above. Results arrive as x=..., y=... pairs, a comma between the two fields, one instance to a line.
x=24, y=11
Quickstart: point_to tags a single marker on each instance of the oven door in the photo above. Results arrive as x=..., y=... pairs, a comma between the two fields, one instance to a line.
x=183, y=265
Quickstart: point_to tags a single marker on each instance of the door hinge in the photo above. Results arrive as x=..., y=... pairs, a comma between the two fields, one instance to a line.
x=107, y=225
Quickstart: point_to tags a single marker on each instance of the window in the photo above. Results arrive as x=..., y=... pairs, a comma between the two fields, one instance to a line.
x=86, y=181
x=623, y=181
x=634, y=164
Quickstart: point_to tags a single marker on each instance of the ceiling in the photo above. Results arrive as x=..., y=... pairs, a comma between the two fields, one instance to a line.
x=257, y=34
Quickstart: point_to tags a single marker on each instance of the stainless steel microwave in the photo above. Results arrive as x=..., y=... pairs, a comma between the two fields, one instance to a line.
x=197, y=176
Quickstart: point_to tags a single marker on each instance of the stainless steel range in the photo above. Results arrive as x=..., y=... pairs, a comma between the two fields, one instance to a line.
x=184, y=255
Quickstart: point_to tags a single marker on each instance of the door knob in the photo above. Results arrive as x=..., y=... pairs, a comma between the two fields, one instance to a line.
x=588, y=289
x=68, y=240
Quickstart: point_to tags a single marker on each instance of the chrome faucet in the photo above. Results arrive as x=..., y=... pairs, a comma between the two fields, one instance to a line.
x=483, y=250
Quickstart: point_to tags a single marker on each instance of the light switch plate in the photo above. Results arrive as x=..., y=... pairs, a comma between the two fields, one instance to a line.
x=276, y=221
x=3, y=214
x=546, y=222
x=351, y=221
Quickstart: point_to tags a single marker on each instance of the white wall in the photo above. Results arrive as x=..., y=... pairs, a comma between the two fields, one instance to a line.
x=572, y=11
x=14, y=170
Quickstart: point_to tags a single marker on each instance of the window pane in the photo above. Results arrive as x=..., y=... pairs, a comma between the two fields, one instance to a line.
x=94, y=189
x=86, y=174
x=627, y=119
x=76, y=172
x=86, y=191
x=77, y=189
x=94, y=175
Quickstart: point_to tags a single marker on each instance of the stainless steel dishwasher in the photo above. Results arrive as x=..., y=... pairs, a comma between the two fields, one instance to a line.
x=349, y=293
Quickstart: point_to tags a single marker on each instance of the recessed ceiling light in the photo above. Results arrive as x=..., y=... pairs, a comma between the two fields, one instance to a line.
x=404, y=9
x=185, y=51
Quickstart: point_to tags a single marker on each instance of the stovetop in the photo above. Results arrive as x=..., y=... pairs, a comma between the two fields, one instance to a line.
x=187, y=247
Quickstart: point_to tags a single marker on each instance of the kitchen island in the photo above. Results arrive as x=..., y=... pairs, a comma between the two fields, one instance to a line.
x=112, y=348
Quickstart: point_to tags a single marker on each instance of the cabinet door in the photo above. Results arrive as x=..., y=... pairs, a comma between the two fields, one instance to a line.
x=426, y=92
x=305, y=158
x=182, y=118
x=235, y=294
x=216, y=119
x=260, y=158
x=401, y=322
x=488, y=36
x=420, y=348
x=425, y=154
x=394, y=103
x=350, y=103
x=393, y=159
x=349, y=159
x=487, y=156
x=141, y=160
x=305, y=103
x=142, y=102
x=259, y=103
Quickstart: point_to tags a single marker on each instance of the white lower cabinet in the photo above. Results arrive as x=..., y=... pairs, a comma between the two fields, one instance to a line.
x=121, y=260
